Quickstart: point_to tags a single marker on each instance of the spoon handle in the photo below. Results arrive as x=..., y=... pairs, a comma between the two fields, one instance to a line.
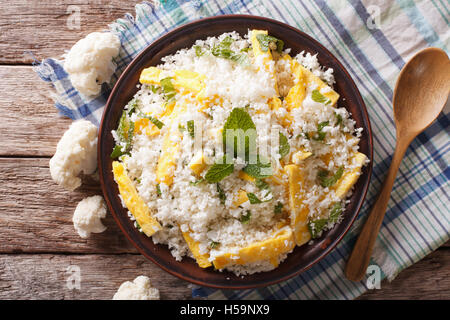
x=362, y=251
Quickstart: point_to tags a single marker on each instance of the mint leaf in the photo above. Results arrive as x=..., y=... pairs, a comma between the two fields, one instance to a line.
x=245, y=218
x=335, y=212
x=191, y=128
x=158, y=190
x=222, y=195
x=259, y=170
x=197, y=182
x=326, y=180
x=265, y=40
x=320, y=135
x=339, y=119
x=239, y=132
x=124, y=132
x=278, y=208
x=218, y=171
x=214, y=244
x=319, y=97
x=261, y=184
x=253, y=198
x=117, y=152
x=168, y=88
x=284, y=146
x=155, y=88
x=198, y=51
x=316, y=226
x=222, y=50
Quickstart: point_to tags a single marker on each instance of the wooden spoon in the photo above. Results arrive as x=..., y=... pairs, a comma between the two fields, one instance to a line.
x=420, y=94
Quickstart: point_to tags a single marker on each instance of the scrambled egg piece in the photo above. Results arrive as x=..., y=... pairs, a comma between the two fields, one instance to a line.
x=134, y=202
x=269, y=249
x=299, y=210
x=202, y=259
x=349, y=178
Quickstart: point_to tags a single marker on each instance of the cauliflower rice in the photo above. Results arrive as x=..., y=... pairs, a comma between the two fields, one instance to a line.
x=170, y=141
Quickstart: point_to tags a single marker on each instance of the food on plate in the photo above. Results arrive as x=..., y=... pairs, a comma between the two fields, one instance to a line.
x=140, y=289
x=87, y=216
x=233, y=152
x=76, y=152
x=89, y=62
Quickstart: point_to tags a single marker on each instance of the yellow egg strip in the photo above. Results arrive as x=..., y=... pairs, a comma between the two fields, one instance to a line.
x=202, y=259
x=133, y=201
x=299, y=210
x=269, y=249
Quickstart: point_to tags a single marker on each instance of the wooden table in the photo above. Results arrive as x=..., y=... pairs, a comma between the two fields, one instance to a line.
x=37, y=240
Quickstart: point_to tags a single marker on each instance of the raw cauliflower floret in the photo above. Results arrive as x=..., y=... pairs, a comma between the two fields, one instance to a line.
x=76, y=152
x=89, y=62
x=139, y=289
x=87, y=215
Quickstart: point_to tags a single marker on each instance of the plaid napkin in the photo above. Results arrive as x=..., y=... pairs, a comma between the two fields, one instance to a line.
x=373, y=41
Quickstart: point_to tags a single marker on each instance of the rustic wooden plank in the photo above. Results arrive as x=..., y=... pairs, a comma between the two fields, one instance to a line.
x=45, y=276
x=36, y=214
x=30, y=123
x=43, y=27
x=426, y=279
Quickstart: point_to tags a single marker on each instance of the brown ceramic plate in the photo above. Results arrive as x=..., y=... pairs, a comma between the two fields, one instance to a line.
x=301, y=258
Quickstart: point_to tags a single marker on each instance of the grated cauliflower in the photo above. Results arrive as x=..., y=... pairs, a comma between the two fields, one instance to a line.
x=76, y=152
x=139, y=289
x=89, y=62
x=87, y=215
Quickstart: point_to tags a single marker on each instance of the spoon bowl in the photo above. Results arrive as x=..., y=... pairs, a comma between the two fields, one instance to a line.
x=421, y=91
x=420, y=94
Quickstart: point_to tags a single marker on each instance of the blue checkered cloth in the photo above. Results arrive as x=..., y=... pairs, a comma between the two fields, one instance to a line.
x=373, y=42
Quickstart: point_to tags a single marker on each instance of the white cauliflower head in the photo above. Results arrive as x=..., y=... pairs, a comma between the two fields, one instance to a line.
x=87, y=215
x=76, y=152
x=139, y=289
x=89, y=62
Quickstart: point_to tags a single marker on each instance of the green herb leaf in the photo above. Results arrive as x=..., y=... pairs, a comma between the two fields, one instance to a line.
x=253, y=198
x=132, y=106
x=339, y=119
x=181, y=128
x=155, y=88
x=320, y=135
x=197, y=182
x=191, y=128
x=222, y=50
x=198, y=51
x=168, y=88
x=222, y=195
x=137, y=225
x=316, y=226
x=335, y=212
x=156, y=122
x=261, y=184
x=214, y=244
x=237, y=126
x=265, y=40
x=259, y=170
x=245, y=218
x=218, y=171
x=326, y=180
x=158, y=190
x=278, y=208
x=319, y=97
x=284, y=146
x=117, y=152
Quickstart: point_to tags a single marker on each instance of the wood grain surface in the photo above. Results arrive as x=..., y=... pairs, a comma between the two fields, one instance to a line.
x=37, y=239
